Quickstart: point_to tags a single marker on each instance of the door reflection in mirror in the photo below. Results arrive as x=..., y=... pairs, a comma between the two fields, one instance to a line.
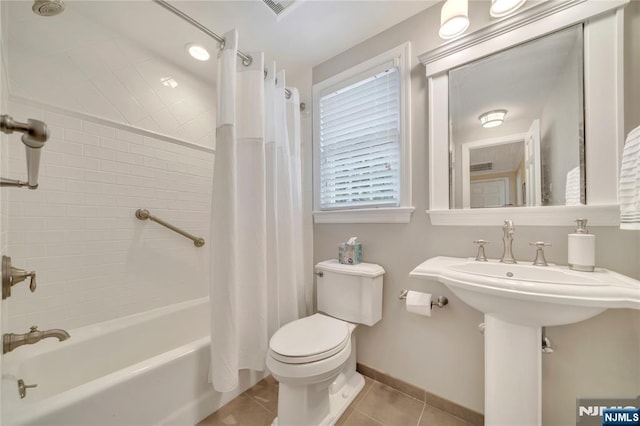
x=536, y=156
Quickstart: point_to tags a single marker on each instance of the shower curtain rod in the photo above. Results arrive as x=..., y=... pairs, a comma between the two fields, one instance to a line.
x=246, y=59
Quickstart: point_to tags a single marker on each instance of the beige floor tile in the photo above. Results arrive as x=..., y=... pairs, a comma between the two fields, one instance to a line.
x=242, y=411
x=368, y=383
x=265, y=392
x=431, y=416
x=390, y=407
x=358, y=419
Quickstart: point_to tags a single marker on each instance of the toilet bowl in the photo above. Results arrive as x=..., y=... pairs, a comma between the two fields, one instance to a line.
x=314, y=358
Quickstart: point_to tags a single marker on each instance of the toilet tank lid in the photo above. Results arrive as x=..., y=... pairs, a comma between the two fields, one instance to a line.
x=370, y=270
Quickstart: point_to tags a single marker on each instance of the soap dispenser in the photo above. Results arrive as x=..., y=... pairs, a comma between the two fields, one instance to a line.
x=582, y=248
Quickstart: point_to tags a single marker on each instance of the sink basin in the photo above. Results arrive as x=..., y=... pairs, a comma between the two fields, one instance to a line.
x=517, y=301
x=532, y=295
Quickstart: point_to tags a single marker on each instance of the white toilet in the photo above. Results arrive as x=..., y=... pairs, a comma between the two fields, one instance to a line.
x=314, y=358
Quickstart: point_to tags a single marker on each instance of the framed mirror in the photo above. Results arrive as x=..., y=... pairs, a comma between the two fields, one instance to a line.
x=540, y=166
x=517, y=126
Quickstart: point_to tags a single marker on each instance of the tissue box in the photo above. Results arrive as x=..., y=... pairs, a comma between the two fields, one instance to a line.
x=350, y=254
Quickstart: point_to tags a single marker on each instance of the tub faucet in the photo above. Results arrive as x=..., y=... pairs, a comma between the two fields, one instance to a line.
x=507, y=239
x=10, y=341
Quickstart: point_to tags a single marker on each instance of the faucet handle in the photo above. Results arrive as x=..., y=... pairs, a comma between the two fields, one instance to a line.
x=33, y=328
x=540, y=260
x=481, y=257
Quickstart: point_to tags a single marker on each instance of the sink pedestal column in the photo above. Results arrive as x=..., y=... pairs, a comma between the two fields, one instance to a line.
x=512, y=373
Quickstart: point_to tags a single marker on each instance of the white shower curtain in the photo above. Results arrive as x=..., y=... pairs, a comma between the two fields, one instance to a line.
x=254, y=232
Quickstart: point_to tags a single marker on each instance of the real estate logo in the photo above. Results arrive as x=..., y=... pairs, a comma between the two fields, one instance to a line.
x=608, y=412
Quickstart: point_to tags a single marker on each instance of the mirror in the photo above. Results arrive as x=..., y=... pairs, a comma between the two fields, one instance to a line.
x=517, y=126
x=594, y=163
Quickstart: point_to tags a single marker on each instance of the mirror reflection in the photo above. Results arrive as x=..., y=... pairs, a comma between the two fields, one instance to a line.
x=517, y=126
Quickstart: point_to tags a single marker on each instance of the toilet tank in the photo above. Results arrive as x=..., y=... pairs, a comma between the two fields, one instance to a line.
x=350, y=292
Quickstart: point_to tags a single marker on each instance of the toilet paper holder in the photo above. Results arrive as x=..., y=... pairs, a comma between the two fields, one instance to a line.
x=440, y=302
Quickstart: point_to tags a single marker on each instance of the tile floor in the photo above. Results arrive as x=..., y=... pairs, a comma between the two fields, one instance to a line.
x=377, y=404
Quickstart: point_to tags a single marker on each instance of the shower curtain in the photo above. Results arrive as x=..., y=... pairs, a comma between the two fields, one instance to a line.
x=254, y=229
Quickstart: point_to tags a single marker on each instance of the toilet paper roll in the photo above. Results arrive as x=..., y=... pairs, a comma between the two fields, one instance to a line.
x=419, y=303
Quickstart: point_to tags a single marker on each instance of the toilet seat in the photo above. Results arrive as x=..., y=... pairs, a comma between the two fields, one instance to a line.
x=309, y=339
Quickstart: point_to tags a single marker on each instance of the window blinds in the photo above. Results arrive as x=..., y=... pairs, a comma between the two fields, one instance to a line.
x=360, y=143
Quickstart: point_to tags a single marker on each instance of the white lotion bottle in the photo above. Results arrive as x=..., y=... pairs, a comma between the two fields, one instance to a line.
x=582, y=248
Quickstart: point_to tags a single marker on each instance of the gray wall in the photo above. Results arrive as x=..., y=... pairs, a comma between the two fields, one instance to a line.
x=444, y=353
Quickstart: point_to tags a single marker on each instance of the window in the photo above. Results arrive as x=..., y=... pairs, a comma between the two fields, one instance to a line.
x=361, y=142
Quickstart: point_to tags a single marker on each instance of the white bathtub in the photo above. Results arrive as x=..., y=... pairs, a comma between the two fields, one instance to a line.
x=145, y=369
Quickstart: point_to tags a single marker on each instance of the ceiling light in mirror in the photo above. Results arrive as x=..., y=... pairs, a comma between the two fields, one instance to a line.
x=197, y=52
x=454, y=18
x=500, y=8
x=492, y=118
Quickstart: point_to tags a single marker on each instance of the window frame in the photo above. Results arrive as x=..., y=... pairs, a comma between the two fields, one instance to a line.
x=401, y=56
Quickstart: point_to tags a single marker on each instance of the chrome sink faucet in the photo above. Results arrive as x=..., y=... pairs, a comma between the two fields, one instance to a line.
x=507, y=239
x=10, y=341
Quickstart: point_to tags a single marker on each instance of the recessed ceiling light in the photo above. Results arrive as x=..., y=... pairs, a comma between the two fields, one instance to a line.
x=492, y=118
x=197, y=52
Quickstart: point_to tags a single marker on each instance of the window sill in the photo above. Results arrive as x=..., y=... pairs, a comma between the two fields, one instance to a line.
x=373, y=215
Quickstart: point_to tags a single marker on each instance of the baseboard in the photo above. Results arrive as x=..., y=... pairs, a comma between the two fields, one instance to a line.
x=427, y=397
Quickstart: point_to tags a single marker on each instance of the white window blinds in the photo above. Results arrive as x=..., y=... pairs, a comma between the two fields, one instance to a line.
x=360, y=143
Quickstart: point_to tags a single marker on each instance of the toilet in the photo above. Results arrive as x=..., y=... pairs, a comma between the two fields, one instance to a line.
x=314, y=358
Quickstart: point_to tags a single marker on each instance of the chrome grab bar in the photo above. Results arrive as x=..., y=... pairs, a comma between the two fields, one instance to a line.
x=144, y=214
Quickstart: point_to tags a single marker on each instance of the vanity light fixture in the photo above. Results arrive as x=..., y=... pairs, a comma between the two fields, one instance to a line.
x=454, y=18
x=492, y=118
x=454, y=15
x=500, y=8
x=197, y=52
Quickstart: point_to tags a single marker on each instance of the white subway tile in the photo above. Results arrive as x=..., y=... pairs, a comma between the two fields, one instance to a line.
x=143, y=150
x=65, y=147
x=98, y=129
x=95, y=152
x=127, y=136
x=91, y=176
x=15, y=209
x=63, y=121
x=99, y=200
x=129, y=158
x=86, y=187
x=32, y=237
x=62, y=223
x=114, y=144
x=81, y=137
x=51, y=157
x=155, y=164
x=62, y=172
x=60, y=197
x=81, y=162
x=114, y=167
x=49, y=183
x=130, y=180
x=82, y=211
x=43, y=210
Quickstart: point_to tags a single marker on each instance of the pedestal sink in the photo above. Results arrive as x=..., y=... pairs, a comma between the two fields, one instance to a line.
x=517, y=300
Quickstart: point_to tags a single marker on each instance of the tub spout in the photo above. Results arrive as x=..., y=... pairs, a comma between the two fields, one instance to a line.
x=10, y=341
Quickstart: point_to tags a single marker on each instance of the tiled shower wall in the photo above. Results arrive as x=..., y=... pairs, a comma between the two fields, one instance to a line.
x=94, y=260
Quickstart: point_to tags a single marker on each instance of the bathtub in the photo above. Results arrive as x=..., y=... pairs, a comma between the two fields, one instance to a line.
x=144, y=369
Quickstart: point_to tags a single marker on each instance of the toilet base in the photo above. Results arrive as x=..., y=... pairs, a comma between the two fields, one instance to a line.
x=340, y=399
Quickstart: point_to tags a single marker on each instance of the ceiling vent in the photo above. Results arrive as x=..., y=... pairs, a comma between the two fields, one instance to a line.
x=278, y=6
x=481, y=167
